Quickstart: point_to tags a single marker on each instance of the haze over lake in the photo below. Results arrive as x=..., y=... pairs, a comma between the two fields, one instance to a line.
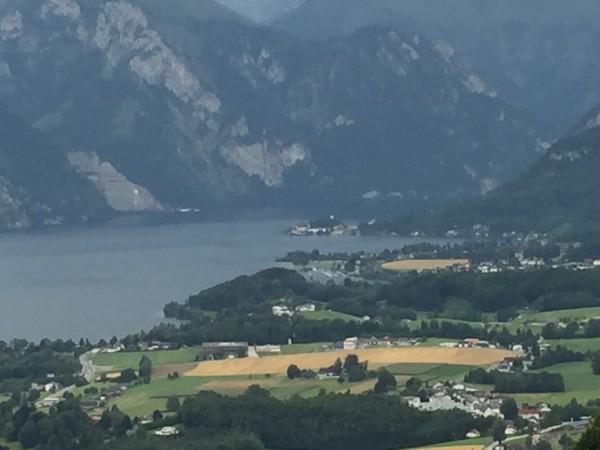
x=115, y=280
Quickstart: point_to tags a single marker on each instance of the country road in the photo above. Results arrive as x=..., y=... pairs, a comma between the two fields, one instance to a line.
x=575, y=424
x=88, y=369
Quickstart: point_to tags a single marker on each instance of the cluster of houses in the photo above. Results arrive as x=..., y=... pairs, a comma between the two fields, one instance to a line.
x=284, y=310
x=101, y=399
x=328, y=227
x=449, y=396
x=354, y=343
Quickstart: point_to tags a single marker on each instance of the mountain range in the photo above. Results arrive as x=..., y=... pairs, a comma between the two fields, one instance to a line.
x=558, y=195
x=540, y=54
x=150, y=106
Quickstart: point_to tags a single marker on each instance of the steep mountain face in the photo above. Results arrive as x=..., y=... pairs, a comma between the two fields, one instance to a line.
x=525, y=49
x=559, y=194
x=192, y=106
x=37, y=184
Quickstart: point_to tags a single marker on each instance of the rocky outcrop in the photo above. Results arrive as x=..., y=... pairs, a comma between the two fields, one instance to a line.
x=121, y=194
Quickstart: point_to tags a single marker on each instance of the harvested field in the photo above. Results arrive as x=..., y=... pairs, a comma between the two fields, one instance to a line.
x=424, y=264
x=359, y=388
x=163, y=371
x=377, y=357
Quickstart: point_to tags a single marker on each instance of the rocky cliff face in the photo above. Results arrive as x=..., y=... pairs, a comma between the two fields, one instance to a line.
x=156, y=110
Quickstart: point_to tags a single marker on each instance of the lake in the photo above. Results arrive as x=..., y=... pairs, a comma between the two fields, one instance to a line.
x=115, y=280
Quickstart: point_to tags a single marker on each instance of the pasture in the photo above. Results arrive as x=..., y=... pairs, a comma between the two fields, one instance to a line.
x=580, y=383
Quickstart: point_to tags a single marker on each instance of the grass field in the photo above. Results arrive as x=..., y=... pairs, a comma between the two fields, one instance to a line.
x=579, y=345
x=144, y=399
x=421, y=316
x=574, y=314
x=580, y=383
x=430, y=372
x=423, y=264
x=376, y=358
x=294, y=349
x=329, y=315
x=124, y=360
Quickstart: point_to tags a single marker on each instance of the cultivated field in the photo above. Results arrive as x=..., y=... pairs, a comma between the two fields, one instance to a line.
x=124, y=360
x=376, y=357
x=424, y=264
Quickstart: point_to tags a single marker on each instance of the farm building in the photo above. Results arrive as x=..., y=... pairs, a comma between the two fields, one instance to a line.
x=224, y=350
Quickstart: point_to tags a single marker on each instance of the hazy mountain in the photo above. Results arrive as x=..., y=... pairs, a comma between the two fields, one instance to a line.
x=262, y=11
x=558, y=194
x=527, y=49
x=37, y=184
x=192, y=106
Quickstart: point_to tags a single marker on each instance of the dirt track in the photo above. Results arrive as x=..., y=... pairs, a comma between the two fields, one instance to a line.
x=377, y=357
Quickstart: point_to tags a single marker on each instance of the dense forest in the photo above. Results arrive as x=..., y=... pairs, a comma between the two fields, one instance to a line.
x=241, y=308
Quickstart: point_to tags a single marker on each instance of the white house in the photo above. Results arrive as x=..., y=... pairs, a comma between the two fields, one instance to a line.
x=473, y=434
x=281, y=310
x=351, y=343
x=307, y=307
x=167, y=431
x=413, y=402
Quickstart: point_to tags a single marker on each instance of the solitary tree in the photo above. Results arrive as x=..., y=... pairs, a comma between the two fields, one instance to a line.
x=498, y=433
x=385, y=382
x=293, y=371
x=350, y=361
x=173, y=404
x=509, y=409
x=145, y=367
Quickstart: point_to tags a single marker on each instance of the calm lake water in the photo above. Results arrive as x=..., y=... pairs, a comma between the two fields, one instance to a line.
x=115, y=280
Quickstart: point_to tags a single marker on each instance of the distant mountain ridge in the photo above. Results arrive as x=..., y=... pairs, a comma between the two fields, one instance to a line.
x=192, y=106
x=559, y=194
x=526, y=49
x=262, y=11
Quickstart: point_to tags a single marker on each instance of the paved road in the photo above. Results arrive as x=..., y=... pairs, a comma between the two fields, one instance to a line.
x=54, y=398
x=575, y=424
x=87, y=368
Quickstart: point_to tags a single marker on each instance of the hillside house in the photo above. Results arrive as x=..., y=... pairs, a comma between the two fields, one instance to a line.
x=282, y=310
x=307, y=307
x=532, y=414
x=275, y=349
x=351, y=343
x=167, y=432
x=474, y=433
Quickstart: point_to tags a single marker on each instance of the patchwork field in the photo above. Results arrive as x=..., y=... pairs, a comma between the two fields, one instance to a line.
x=424, y=264
x=376, y=358
x=124, y=360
